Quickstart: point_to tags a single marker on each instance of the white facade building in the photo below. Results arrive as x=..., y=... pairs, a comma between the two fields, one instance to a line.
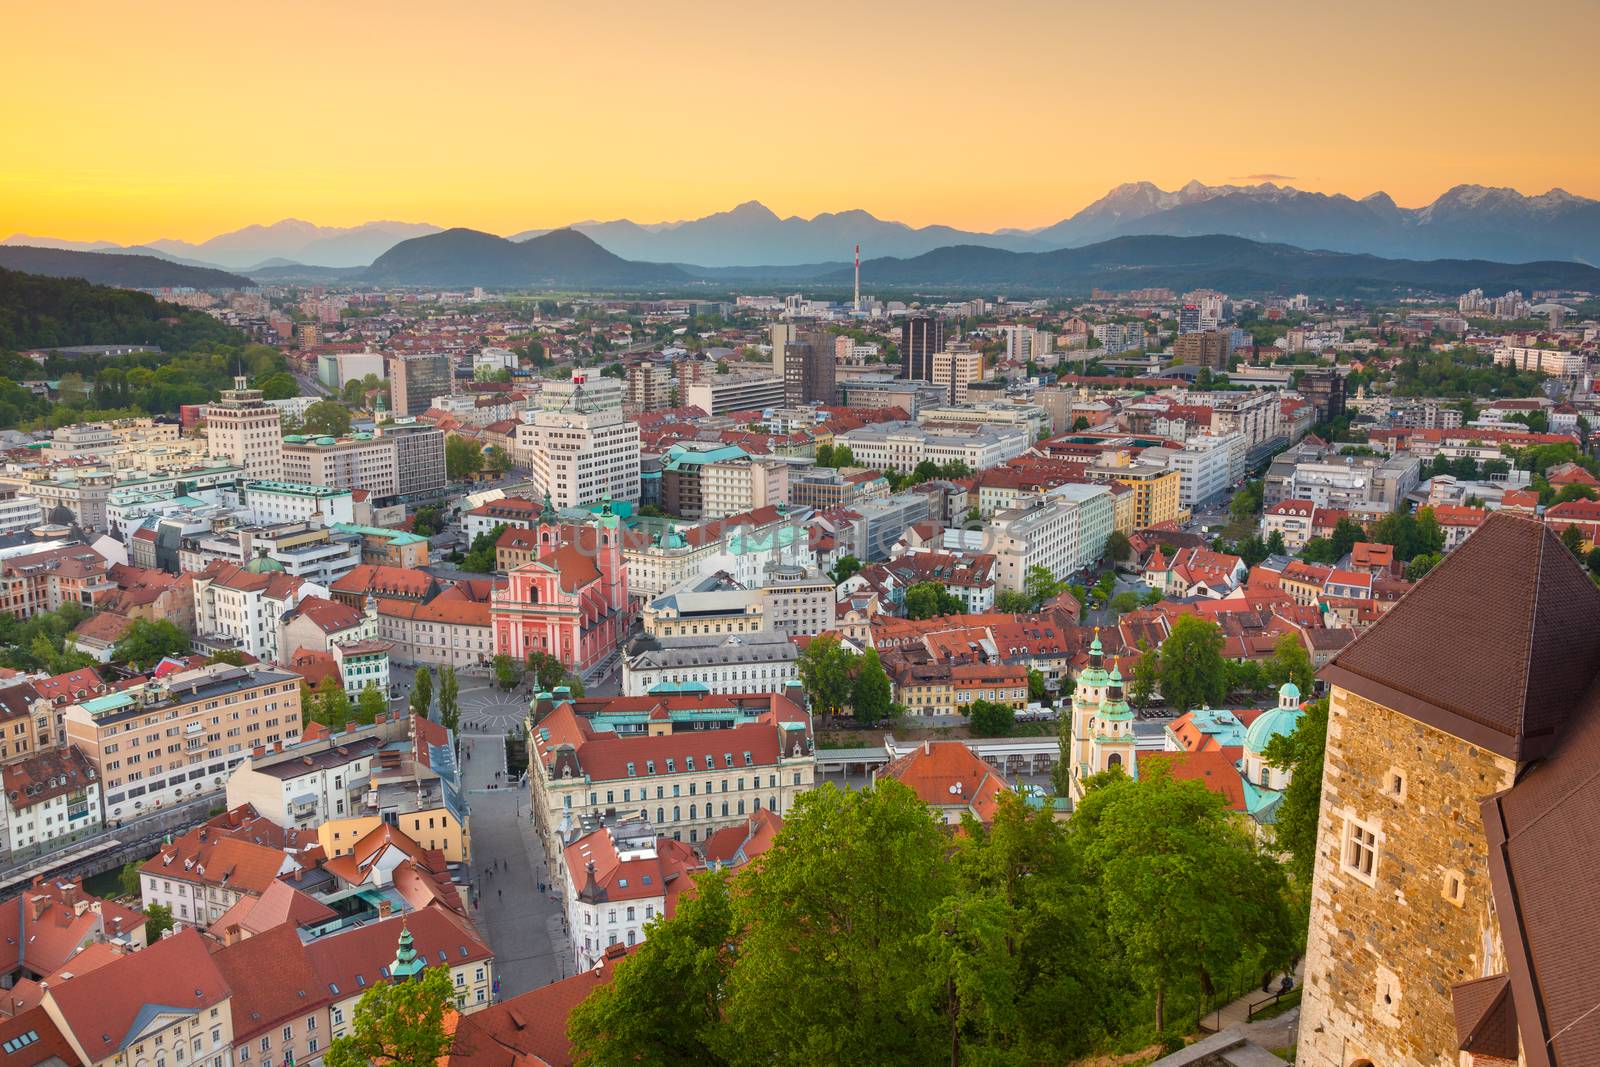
x=581, y=458
x=902, y=445
x=246, y=429
x=271, y=502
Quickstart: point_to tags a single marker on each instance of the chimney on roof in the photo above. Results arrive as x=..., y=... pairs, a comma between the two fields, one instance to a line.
x=37, y=905
x=384, y=908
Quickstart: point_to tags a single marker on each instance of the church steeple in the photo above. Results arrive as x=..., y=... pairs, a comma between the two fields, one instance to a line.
x=407, y=964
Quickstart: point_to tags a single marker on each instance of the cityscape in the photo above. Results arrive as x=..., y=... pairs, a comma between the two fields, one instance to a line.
x=542, y=613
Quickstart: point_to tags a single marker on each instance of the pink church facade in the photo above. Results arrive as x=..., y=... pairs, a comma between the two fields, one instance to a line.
x=570, y=602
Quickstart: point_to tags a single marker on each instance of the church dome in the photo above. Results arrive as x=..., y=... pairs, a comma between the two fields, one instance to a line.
x=264, y=565
x=1274, y=722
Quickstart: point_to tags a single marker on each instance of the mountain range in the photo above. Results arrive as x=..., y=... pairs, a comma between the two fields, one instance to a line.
x=284, y=242
x=1468, y=221
x=1233, y=264
x=568, y=259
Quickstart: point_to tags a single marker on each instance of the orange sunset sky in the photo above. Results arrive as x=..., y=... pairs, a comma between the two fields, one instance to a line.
x=132, y=122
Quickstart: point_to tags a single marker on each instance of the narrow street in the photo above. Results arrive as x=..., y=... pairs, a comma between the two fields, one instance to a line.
x=522, y=924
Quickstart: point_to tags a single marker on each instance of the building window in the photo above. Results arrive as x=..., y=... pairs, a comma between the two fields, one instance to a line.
x=1394, y=784
x=1361, y=851
x=1455, y=888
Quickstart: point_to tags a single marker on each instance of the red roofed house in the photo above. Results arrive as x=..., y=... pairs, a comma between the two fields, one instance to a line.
x=950, y=779
x=734, y=846
x=571, y=602
x=620, y=877
x=1584, y=514
x=1458, y=521
x=1570, y=474
x=169, y=995
x=529, y=1030
x=50, y=922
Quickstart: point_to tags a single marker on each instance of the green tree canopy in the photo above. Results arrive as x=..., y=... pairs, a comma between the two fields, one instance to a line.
x=1300, y=753
x=826, y=669
x=870, y=693
x=144, y=643
x=462, y=457
x=927, y=600
x=398, y=1024
x=990, y=718
x=326, y=418
x=480, y=558
x=421, y=701
x=1188, y=898
x=1193, y=674
x=1291, y=662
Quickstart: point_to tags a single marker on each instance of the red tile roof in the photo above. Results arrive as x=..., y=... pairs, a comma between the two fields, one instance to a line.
x=528, y=1030
x=271, y=979
x=101, y=1008
x=935, y=768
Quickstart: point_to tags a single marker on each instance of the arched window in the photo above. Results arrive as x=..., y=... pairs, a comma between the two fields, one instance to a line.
x=661, y=815
x=675, y=815
x=1114, y=761
x=691, y=812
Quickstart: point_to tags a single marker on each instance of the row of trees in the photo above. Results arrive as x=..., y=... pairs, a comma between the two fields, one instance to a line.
x=331, y=706
x=869, y=935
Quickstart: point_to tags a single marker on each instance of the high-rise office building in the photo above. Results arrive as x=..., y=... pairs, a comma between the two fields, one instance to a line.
x=956, y=368
x=920, y=337
x=416, y=378
x=418, y=457
x=809, y=369
x=248, y=430
x=581, y=458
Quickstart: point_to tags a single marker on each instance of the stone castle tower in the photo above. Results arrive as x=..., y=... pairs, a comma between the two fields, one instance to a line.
x=1456, y=695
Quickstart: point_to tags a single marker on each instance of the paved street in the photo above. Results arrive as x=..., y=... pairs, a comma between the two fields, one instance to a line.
x=522, y=924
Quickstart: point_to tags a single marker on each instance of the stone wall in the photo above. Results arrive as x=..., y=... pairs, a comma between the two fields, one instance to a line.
x=1381, y=957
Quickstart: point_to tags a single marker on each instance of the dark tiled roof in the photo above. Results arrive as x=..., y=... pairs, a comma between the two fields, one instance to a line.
x=1486, y=1020
x=1544, y=836
x=1495, y=646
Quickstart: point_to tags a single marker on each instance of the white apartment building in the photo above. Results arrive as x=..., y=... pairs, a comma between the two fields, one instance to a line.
x=735, y=486
x=581, y=458
x=618, y=878
x=48, y=795
x=243, y=427
x=718, y=394
x=1208, y=465
x=18, y=511
x=760, y=662
x=1024, y=342
x=270, y=502
x=955, y=369
x=1258, y=416
x=361, y=461
x=902, y=445
x=1063, y=533
x=243, y=605
x=1557, y=362
x=311, y=782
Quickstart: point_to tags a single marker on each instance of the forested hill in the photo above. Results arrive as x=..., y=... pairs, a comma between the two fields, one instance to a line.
x=199, y=355
x=115, y=268
x=41, y=312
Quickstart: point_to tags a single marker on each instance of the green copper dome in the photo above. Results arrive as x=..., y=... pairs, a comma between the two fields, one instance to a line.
x=264, y=565
x=1274, y=722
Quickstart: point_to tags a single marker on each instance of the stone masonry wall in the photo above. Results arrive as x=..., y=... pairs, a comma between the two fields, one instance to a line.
x=1381, y=958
